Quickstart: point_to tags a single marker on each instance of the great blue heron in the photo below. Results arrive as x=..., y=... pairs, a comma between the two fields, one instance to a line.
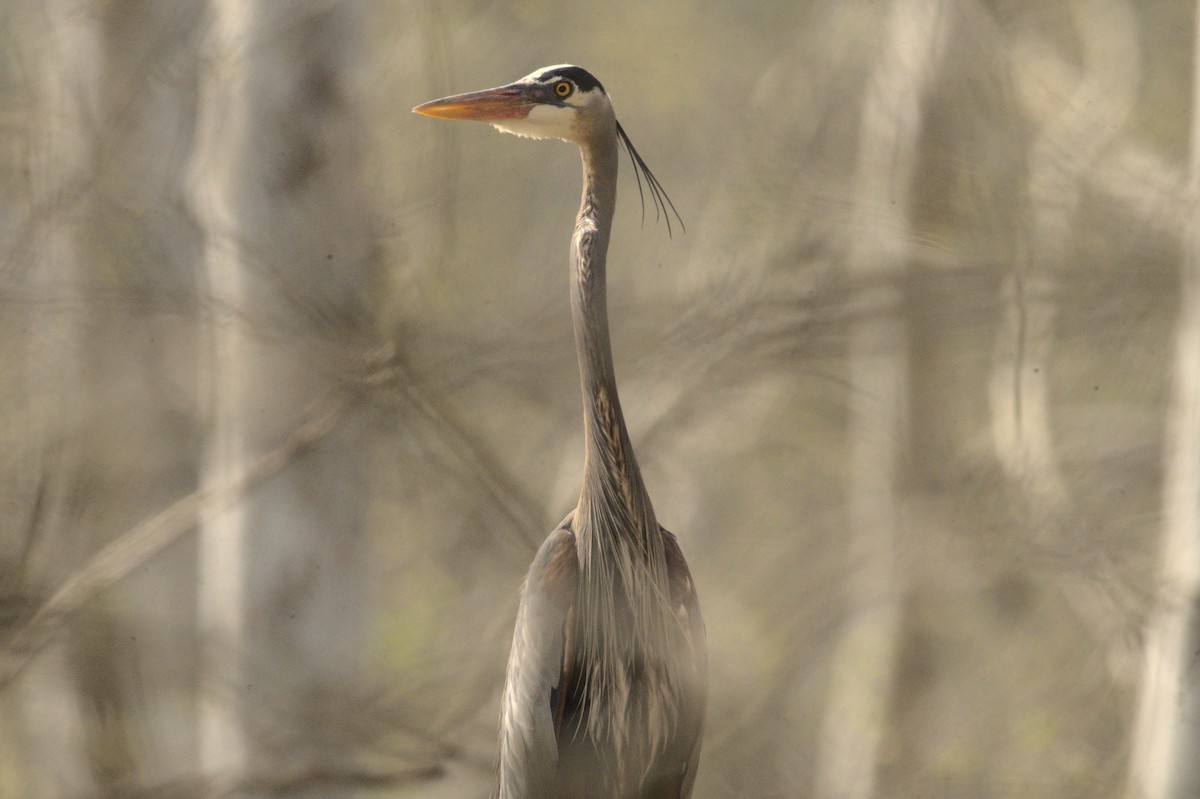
x=605, y=691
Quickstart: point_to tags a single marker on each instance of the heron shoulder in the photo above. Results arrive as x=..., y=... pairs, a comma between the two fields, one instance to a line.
x=685, y=603
x=555, y=568
x=680, y=576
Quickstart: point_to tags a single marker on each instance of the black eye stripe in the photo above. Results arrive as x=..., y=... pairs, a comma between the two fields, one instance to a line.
x=584, y=81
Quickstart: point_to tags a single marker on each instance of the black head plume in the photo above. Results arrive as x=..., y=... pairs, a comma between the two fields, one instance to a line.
x=658, y=195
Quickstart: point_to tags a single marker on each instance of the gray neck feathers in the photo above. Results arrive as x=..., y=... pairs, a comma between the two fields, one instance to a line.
x=622, y=628
x=612, y=482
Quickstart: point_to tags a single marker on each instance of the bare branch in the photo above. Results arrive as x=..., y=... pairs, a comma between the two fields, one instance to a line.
x=126, y=553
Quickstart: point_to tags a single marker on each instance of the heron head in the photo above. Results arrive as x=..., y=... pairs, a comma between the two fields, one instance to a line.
x=559, y=102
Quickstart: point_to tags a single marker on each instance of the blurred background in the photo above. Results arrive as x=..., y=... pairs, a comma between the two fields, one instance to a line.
x=288, y=393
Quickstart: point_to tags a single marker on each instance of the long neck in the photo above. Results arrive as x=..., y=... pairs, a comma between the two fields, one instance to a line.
x=611, y=479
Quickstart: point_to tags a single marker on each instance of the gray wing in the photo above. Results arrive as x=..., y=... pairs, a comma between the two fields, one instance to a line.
x=686, y=605
x=529, y=714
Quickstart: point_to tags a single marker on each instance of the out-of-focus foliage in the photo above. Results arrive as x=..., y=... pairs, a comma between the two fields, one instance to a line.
x=1036, y=195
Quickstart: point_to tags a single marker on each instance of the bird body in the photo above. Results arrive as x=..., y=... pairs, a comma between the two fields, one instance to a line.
x=605, y=690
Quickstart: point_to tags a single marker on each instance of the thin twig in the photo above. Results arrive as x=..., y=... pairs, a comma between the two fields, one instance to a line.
x=135, y=547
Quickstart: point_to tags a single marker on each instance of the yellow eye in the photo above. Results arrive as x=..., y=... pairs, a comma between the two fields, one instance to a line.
x=563, y=88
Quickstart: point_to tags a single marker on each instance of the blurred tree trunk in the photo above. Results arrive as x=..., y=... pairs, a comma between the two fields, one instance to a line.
x=1065, y=150
x=1080, y=129
x=1166, y=735
x=107, y=322
x=61, y=156
x=288, y=257
x=222, y=534
x=135, y=655
x=863, y=659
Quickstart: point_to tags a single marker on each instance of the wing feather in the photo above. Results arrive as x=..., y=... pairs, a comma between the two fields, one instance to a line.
x=532, y=704
x=686, y=605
